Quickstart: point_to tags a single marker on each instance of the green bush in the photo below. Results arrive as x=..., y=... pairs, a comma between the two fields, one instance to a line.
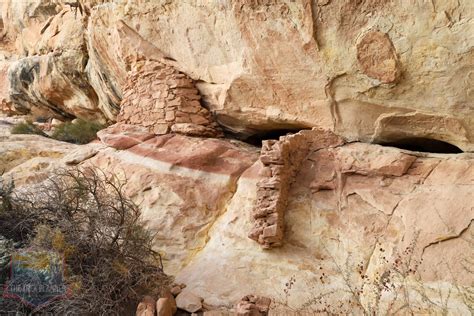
x=79, y=132
x=27, y=128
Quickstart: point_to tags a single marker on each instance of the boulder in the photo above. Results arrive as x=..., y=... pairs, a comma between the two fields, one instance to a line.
x=55, y=122
x=81, y=154
x=189, y=302
x=147, y=307
x=175, y=290
x=124, y=136
x=170, y=300
x=164, y=307
x=252, y=305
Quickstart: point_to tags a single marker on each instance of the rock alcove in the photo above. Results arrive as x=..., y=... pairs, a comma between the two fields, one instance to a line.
x=424, y=144
x=257, y=138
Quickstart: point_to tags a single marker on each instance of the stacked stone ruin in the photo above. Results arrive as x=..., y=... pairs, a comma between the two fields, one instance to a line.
x=165, y=100
x=281, y=159
x=253, y=305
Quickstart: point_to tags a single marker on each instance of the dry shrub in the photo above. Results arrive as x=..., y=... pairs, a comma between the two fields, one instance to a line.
x=79, y=132
x=27, y=128
x=85, y=216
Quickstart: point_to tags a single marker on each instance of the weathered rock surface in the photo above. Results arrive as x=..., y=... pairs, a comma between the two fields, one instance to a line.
x=251, y=305
x=30, y=158
x=5, y=102
x=147, y=307
x=54, y=85
x=373, y=71
x=378, y=58
x=124, y=136
x=361, y=228
x=51, y=77
x=189, y=302
x=348, y=67
x=182, y=185
x=367, y=227
x=81, y=154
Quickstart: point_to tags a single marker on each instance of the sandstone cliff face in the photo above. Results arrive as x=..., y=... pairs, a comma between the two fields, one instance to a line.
x=351, y=226
x=367, y=70
x=365, y=225
x=374, y=71
x=366, y=228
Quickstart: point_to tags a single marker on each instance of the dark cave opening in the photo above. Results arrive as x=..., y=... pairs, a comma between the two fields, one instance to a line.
x=422, y=144
x=259, y=136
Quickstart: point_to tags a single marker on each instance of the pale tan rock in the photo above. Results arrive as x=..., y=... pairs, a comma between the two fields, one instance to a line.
x=55, y=122
x=382, y=65
x=80, y=155
x=161, y=129
x=191, y=129
x=48, y=84
x=189, y=302
x=380, y=160
x=159, y=173
x=357, y=214
x=6, y=106
x=351, y=218
x=251, y=305
x=373, y=73
x=31, y=158
x=50, y=73
x=354, y=215
x=384, y=78
x=147, y=307
x=175, y=290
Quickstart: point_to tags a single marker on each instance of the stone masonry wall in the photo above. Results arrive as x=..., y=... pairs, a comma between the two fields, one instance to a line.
x=282, y=159
x=164, y=100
